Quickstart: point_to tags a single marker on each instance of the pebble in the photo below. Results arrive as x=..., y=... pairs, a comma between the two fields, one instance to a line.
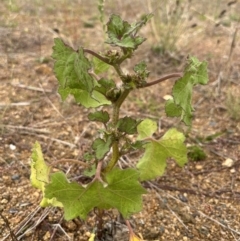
x=183, y=198
x=13, y=210
x=6, y=195
x=228, y=162
x=198, y=167
x=4, y=201
x=12, y=147
x=15, y=177
x=47, y=236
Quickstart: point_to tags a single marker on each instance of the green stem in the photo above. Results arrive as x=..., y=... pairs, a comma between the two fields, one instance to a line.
x=115, y=118
x=114, y=159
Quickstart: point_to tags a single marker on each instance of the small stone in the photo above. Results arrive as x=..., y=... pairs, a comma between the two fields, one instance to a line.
x=12, y=147
x=204, y=230
x=15, y=177
x=198, y=167
x=4, y=201
x=13, y=210
x=183, y=198
x=47, y=236
x=228, y=162
x=6, y=196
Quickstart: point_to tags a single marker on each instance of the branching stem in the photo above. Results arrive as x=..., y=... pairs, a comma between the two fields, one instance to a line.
x=115, y=118
x=98, y=173
x=174, y=75
x=104, y=59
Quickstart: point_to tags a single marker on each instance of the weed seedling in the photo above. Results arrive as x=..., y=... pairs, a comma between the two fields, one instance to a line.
x=110, y=186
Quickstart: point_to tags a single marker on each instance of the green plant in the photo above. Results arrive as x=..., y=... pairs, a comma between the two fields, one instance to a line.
x=110, y=186
x=196, y=153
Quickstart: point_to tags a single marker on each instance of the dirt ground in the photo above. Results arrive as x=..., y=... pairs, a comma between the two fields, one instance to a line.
x=198, y=202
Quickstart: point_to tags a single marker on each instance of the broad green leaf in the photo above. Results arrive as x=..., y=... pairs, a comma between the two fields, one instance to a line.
x=137, y=145
x=128, y=125
x=123, y=191
x=195, y=73
x=40, y=175
x=146, y=129
x=153, y=162
x=71, y=67
x=101, y=147
x=99, y=66
x=101, y=116
x=74, y=197
x=172, y=110
x=88, y=100
x=90, y=172
x=122, y=34
x=104, y=85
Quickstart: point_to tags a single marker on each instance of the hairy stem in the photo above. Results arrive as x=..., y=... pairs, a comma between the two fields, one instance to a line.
x=174, y=75
x=104, y=59
x=115, y=118
x=114, y=158
x=100, y=223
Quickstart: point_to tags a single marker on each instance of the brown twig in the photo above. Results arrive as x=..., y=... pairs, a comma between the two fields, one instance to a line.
x=104, y=59
x=25, y=128
x=166, y=77
x=13, y=236
x=31, y=88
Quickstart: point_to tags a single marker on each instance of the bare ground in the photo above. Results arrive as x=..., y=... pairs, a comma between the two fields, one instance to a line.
x=197, y=202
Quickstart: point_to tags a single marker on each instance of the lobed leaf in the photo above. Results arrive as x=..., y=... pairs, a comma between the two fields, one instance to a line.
x=195, y=73
x=101, y=116
x=128, y=125
x=153, y=162
x=88, y=100
x=123, y=191
x=71, y=67
x=122, y=34
x=146, y=129
x=99, y=66
x=104, y=85
x=40, y=175
x=102, y=147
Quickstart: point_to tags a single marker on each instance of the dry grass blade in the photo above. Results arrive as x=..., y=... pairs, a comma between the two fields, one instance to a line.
x=27, y=129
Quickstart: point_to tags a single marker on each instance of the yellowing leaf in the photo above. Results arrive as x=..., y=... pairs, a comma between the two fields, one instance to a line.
x=40, y=175
x=134, y=237
x=146, y=128
x=153, y=162
x=39, y=170
x=92, y=237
